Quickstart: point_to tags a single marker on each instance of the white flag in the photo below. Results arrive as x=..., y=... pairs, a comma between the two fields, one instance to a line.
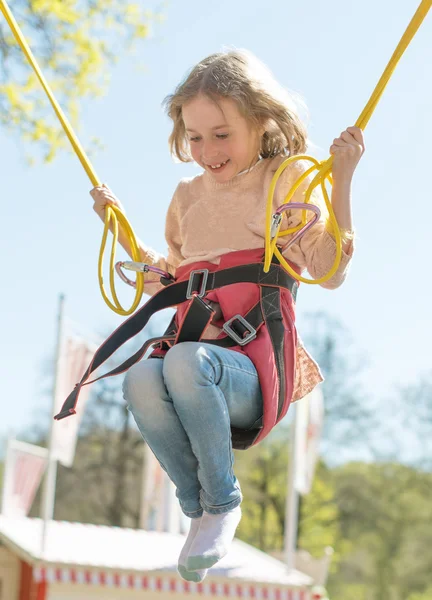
x=24, y=467
x=74, y=357
x=309, y=423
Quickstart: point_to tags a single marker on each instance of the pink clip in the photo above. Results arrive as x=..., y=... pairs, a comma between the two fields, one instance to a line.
x=309, y=224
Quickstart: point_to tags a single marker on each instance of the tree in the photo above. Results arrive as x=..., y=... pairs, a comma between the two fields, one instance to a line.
x=349, y=420
x=385, y=516
x=413, y=407
x=319, y=517
x=262, y=472
x=426, y=595
x=74, y=42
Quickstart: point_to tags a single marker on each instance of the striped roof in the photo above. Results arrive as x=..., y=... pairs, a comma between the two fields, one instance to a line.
x=123, y=550
x=212, y=587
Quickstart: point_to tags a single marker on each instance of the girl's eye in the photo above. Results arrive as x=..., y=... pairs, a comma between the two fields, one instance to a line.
x=194, y=139
x=222, y=136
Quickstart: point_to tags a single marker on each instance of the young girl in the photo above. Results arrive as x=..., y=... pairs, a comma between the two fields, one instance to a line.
x=238, y=125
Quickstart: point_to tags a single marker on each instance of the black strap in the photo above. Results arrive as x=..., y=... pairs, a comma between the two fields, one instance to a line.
x=253, y=273
x=198, y=316
x=167, y=297
x=271, y=307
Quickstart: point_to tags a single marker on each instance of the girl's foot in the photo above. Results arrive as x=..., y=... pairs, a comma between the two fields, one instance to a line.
x=197, y=575
x=214, y=537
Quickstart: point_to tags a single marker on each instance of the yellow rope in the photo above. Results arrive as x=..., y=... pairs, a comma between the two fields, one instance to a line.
x=323, y=168
x=113, y=216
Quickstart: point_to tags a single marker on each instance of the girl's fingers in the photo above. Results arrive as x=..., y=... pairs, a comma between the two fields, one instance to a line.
x=357, y=134
x=347, y=137
x=103, y=195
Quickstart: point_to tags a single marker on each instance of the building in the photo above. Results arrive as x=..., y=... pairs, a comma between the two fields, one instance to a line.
x=92, y=562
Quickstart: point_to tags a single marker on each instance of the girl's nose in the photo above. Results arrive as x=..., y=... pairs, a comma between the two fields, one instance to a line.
x=209, y=150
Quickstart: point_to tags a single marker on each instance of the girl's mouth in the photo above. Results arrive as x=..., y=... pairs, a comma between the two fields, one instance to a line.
x=217, y=168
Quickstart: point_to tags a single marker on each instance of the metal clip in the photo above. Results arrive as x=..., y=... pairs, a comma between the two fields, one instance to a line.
x=201, y=292
x=241, y=341
x=276, y=221
x=138, y=267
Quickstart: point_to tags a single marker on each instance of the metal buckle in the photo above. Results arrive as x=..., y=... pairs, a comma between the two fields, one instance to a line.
x=242, y=341
x=190, y=293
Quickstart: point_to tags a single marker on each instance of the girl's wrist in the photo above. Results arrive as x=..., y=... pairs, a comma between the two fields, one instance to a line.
x=342, y=181
x=341, y=203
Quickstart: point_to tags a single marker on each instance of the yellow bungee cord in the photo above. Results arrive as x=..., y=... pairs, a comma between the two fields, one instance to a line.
x=114, y=217
x=323, y=168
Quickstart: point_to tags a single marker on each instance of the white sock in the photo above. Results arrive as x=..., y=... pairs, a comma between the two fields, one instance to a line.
x=213, y=539
x=198, y=575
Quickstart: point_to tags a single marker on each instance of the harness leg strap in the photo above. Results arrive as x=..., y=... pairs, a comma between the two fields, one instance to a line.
x=167, y=297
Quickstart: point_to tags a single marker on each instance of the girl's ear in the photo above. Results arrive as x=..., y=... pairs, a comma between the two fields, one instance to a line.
x=263, y=127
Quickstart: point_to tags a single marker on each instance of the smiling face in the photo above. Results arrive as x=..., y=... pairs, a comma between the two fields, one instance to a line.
x=221, y=140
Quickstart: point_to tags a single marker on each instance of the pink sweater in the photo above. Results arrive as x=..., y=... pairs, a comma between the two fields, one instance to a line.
x=207, y=219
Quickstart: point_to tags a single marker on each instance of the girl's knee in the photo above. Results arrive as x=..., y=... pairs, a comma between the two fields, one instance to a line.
x=140, y=379
x=187, y=362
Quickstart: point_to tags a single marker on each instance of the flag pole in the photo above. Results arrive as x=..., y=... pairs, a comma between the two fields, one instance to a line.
x=48, y=494
x=292, y=499
x=7, y=474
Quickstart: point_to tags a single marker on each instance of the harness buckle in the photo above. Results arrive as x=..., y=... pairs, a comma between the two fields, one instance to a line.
x=244, y=337
x=199, y=289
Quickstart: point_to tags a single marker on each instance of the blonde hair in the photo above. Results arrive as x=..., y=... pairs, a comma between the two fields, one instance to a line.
x=239, y=75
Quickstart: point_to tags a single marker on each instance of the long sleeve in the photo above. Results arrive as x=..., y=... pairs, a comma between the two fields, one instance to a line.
x=174, y=257
x=316, y=249
x=173, y=235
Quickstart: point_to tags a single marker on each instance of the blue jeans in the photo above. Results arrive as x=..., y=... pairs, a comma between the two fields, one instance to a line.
x=184, y=406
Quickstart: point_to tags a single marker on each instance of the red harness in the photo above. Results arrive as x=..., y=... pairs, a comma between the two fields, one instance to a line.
x=257, y=319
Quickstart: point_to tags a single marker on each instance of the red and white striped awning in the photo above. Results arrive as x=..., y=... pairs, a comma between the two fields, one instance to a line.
x=168, y=584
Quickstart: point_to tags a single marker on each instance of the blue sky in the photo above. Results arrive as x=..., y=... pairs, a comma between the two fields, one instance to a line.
x=332, y=53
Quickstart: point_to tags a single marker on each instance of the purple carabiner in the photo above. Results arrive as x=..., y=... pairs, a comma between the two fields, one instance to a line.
x=277, y=218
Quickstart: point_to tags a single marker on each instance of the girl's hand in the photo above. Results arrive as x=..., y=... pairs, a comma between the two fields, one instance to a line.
x=102, y=197
x=347, y=151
